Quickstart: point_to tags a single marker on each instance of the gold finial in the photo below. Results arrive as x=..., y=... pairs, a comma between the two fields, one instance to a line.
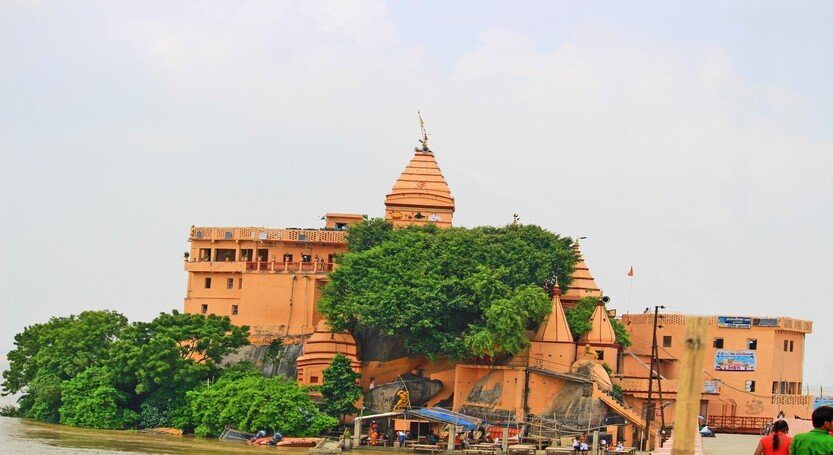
x=424, y=140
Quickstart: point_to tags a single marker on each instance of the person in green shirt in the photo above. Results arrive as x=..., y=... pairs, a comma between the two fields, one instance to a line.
x=818, y=440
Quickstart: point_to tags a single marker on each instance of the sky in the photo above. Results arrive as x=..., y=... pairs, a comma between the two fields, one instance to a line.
x=692, y=141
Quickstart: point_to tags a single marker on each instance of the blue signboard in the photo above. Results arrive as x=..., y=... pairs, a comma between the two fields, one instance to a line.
x=822, y=401
x=734, y=322
x=734, y=360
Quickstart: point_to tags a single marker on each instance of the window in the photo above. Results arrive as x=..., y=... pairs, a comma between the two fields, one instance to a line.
x=786, y=345
x=246, y=254
x=306, y=258
x=234, y=310
x=341, y=226
x=313, y=379
x=791, y=388
x=774, y=387
x=262, y=254
x=331, y=258
x=791, y=346
x=600, y=354
x=224, y=255
x=240, y=284
x=718, y=343
x=205, y=254
x=229, y=283
x=751, y=344
x=204, y=308
x=228, y=235
x=208, y=282
x=750, y=386
x=287, y=257
x=666, y=341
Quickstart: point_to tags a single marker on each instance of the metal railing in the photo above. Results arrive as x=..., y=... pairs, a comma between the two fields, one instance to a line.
x=273, y=266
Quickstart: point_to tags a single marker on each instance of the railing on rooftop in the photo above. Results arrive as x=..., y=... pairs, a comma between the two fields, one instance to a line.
x=266, y=234
x=668, y=319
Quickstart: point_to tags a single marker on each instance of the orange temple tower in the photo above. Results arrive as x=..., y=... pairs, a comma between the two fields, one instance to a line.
x=420, y=195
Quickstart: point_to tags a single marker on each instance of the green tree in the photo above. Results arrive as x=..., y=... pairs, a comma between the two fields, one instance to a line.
x=447, y=292
x=47, y=354
x=156, y=363
x=623, y=338
x=251, y=402
x=340, y=389
x=579, y=318
x=91, y=400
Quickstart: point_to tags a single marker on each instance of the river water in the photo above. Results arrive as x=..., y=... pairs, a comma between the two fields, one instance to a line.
x=24, y=436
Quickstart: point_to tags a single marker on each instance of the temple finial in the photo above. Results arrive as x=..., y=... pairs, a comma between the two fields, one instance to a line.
x=424, y=140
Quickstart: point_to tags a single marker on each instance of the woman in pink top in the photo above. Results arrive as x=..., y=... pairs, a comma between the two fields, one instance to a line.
x=776, y=442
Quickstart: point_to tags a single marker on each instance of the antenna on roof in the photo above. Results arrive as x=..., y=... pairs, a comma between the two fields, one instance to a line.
x=424, y=140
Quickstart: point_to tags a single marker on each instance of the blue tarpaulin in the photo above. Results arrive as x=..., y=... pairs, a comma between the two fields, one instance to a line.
x=468, y=423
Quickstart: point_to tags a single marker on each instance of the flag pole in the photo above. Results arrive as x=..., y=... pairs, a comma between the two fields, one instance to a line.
x=630, y=289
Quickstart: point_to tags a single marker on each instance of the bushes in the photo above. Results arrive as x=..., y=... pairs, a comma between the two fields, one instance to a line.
x=91, y=401
x=252, y=402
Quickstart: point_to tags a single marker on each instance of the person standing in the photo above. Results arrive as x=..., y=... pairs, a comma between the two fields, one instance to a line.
x=818, y=440
x=776, y=442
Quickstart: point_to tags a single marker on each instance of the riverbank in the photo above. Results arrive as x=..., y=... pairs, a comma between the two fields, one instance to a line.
x=25, y=436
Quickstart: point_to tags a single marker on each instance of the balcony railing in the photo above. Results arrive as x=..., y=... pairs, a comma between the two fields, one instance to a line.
x=735, y=424
x=277, y=267
x=315, y=267
x=214, y=266
x=265, y=234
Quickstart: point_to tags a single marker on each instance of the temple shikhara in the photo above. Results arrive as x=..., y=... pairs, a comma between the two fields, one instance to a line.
x=271, y=278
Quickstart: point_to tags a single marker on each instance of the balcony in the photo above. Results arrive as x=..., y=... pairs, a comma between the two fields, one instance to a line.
x=274, y=267
x=215, y=266
x=284, y=267
x=264, y=234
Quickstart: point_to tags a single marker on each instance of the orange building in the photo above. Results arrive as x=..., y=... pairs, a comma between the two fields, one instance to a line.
x=271, y=279
x=753, y=367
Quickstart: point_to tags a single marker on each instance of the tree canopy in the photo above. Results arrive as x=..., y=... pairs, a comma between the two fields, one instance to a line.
x=96, y=370
x=340, y=389
x=454, y=292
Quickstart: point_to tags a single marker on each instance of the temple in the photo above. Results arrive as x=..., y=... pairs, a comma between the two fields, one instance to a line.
x=271, y=279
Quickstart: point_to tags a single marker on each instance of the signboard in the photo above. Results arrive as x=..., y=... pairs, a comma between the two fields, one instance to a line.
x=712, y=386
x=822, y=401
x=734, y=360
x=734, y=322
x=765, y=322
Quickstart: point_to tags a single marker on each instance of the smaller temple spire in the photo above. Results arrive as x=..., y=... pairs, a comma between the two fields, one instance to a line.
x=555, y=327
x=601, y=331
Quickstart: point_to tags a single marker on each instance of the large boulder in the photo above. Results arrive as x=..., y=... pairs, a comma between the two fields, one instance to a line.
x=418, y=390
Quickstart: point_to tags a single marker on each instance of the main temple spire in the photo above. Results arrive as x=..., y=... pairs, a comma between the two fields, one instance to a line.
x=420, y=195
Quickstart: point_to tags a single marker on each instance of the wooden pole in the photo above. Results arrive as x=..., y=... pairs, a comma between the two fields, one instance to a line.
x=690, y=385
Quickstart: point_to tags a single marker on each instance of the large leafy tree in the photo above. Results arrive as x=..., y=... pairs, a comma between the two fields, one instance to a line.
x=251, y=402
x=340, y=389
x=95, y=370
x=91, y=400
x=447, y=292
x=157, y=362
x=47, y=354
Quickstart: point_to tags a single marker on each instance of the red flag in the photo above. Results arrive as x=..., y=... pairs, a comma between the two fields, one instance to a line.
x=630, y=272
